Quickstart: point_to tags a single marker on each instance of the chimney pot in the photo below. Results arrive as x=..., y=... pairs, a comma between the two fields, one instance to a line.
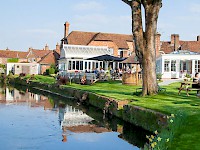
x=198, y=38
x=46, y=47
x=66, y=29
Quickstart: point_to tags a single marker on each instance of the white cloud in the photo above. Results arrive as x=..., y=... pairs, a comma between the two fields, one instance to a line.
x=195, y=8
x=89, y=6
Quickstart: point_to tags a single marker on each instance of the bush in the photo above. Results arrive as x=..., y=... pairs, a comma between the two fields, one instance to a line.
x=159, y=76
x=50, y=71
x=63, y=80
x=32, y=77
x=22, y=75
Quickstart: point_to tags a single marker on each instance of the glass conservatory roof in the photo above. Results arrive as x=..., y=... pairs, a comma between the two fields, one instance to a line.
x=185, y=52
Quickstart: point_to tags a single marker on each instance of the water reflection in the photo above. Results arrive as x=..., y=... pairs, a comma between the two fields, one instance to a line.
x=78, y=126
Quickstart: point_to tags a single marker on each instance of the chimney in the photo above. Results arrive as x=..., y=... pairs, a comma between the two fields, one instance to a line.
x=57, y=46
x=157, y=43
x=198, y=38
x=46, y=47
x=30, y=48
x=66, y=29
x=175, y=41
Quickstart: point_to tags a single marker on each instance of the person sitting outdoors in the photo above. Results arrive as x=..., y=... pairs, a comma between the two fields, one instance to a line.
x=196, y=77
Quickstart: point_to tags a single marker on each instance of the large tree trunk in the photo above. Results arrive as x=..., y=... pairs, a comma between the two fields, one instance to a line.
x=149, y=56
x=145, y=41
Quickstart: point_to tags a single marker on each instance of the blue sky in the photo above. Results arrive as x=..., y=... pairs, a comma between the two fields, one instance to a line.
x=33, y=23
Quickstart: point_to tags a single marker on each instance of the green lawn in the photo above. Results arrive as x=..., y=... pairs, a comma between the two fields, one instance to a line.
x=42, y=79
x=169, y=102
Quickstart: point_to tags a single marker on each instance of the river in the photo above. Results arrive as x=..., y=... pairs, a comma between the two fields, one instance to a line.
x=34, y=120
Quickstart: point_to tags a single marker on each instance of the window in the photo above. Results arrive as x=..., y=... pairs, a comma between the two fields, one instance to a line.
x=77, y=65
x=85, y=65
x=81, y=65
x=173, y=65
x=121, y=54
x=70, y=65
x=197, y=65
x=73, y=65
x=101, y=64
x=166, y=65
x=97, y=65
x=89, y=65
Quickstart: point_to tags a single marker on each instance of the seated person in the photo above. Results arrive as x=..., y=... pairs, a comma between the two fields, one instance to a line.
x=196, y=77
x=196, y=80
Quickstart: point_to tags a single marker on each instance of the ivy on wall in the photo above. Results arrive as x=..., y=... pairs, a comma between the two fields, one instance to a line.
x=12, y=60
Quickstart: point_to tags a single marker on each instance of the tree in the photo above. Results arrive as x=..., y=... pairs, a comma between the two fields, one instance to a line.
x=145, y=40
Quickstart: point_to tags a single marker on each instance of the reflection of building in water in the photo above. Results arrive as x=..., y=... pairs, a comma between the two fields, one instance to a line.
x=76, y=121
x=70, y=116
x=34, y=100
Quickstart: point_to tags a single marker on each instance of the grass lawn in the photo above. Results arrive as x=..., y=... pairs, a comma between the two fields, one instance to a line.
x=169, y=102
x=42, y=79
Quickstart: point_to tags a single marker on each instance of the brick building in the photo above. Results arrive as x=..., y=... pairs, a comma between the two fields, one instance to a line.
x=176, y=44
x=6, y=55
x=122, y=44
x=44, y=57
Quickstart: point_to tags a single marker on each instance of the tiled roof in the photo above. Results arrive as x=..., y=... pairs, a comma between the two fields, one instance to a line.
x=119, y=39
x=193, y=46
x=84, y=38
x=12, y=54
x=48, y=58
x=131, y=60
x=40, y=53
x=80, y=38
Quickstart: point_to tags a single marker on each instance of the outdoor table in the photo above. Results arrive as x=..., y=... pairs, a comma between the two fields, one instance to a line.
x=187, y=85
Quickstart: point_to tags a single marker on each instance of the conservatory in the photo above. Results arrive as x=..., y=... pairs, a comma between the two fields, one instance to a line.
x=74, y=57
x=178, y=63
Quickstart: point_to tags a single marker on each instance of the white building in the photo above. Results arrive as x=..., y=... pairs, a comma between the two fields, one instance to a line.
x=27, y=68
x=177, y=64
x=74, y=57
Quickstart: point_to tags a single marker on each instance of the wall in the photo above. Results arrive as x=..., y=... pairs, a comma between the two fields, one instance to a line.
x=43, y=68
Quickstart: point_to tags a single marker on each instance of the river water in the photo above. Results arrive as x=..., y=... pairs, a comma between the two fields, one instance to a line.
x=31, y=120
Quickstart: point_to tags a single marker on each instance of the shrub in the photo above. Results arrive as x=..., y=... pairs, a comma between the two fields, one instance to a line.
x=63, y=80
x=32, y=77
x=51, y=71
x=22, y=74
x=159, y=76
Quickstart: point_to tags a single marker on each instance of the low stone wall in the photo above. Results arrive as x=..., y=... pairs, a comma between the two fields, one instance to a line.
x=146, y=118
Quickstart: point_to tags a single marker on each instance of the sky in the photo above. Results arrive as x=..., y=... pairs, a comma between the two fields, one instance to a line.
x=35, y=23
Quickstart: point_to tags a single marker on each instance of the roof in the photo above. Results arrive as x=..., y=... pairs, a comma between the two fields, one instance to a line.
x=85, y=38
x=48, y=58
x=193, y=46
x=13, y=54
x=131, y=60
x=40, y=53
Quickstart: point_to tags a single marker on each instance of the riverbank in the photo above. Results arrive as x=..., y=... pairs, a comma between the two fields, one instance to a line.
x=142, y=111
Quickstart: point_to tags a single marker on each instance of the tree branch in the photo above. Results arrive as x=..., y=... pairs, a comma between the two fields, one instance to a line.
x=127, y=2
